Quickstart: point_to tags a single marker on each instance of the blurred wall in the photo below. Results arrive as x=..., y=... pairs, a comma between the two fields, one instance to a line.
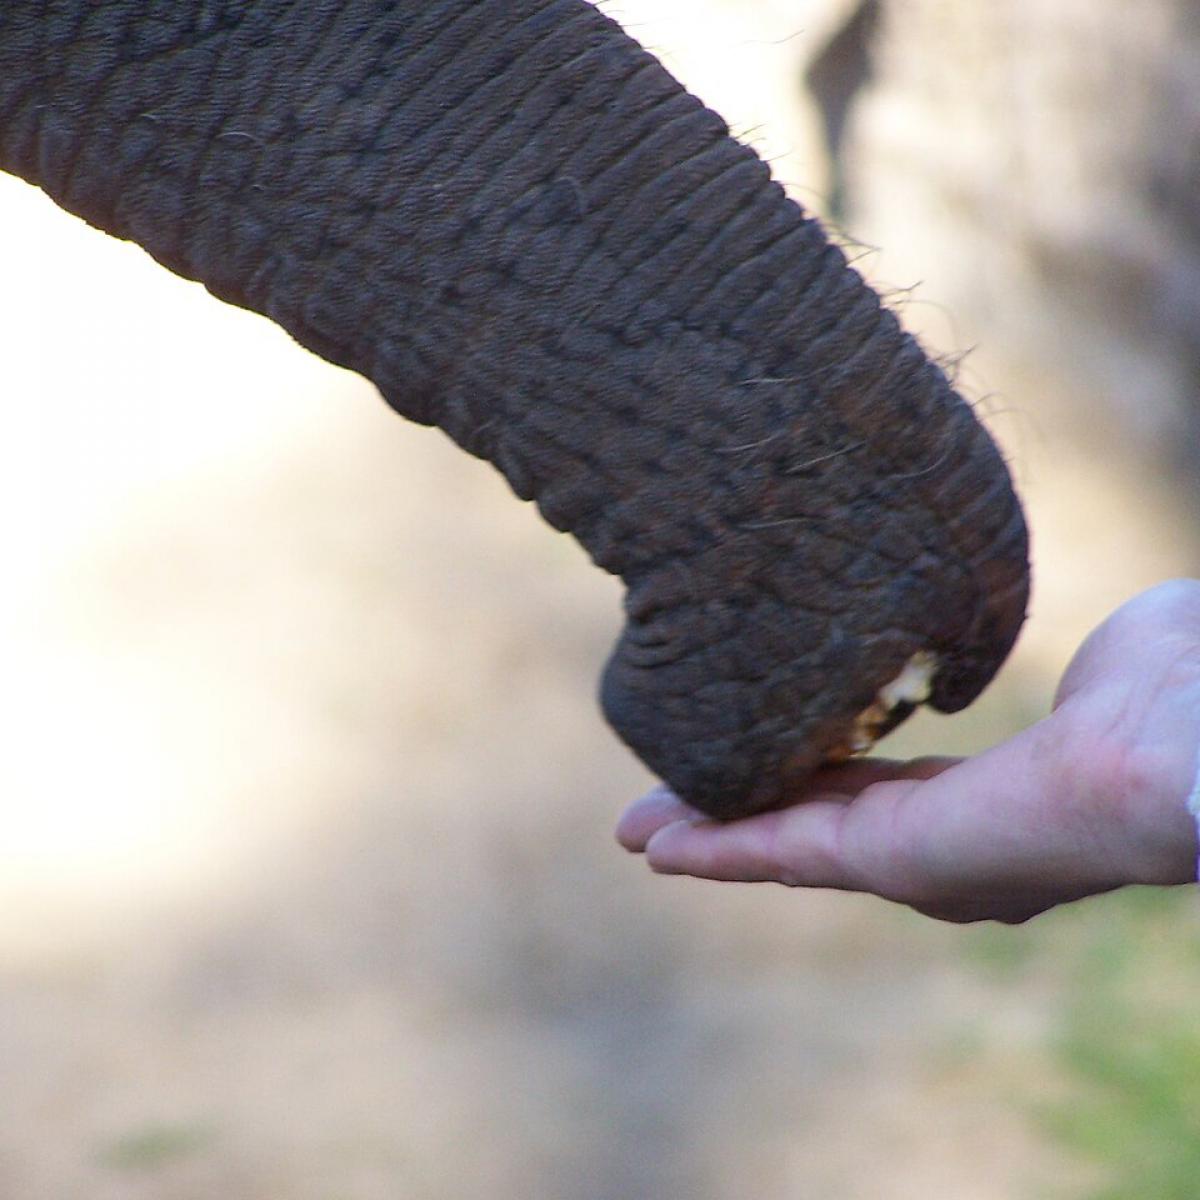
x=1038, y=165
x=1035, y=168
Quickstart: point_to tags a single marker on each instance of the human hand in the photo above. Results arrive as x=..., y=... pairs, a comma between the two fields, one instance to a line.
x=1089, y=799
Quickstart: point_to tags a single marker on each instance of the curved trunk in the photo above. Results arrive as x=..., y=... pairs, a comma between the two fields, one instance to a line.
x=522, y=229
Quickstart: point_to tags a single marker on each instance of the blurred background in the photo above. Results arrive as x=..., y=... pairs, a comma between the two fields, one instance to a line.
x=307, y=885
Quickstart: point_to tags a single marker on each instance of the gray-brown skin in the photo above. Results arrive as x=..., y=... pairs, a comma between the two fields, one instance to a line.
x=514, y=221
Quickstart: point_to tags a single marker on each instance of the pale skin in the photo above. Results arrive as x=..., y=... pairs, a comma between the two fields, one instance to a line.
x=1091, y=798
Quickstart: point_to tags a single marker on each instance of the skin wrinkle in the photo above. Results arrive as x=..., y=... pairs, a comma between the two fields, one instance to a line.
x=1185, y=664
x=545, y=432
x=66, y=171
x=866, y=319
x=599, y=76
x=678, y=286
x=810, y=275
x=636, y=116
x=345, y=47
x=603, y=247
x=317, y=43
x=673, y=262
x=333, y=216
x=660, y=279
x=675, y=185
x=1010, y=533
x=955, y=519
x=635, y=94
x=500, y=128
x=860, y=545
x=746, y=288
x=49, y=143
x=478, y=105
x=599, y=249
x=441, y=56
x=520, y=227
x=548, y=118
x=443, y=109
x=204, y=141
x=1193, y=806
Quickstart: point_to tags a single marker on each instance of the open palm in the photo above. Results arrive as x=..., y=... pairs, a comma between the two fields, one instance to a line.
x=1089, y=799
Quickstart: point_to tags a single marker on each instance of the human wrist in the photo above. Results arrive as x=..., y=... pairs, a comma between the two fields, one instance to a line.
x=1163, y=799
x=1193, y=806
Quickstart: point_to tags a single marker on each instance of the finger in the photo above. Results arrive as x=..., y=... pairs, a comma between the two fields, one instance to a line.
x=851, y=777
x=918, y=832
x=644, y=817
x=800, y=847
x=833, y=784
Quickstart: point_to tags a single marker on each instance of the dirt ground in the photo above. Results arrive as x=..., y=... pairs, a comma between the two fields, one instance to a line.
x=366, y=932
x=308, y=890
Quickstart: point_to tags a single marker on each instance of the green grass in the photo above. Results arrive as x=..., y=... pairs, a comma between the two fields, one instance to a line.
x=155, y=1145
x=1130, y=1041
x=1126, y=1041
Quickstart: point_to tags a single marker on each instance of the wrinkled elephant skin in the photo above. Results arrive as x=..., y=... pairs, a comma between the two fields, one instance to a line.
x=514, y=221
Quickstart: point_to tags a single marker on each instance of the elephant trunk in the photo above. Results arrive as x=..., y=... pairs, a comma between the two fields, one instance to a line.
x=523, y=230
